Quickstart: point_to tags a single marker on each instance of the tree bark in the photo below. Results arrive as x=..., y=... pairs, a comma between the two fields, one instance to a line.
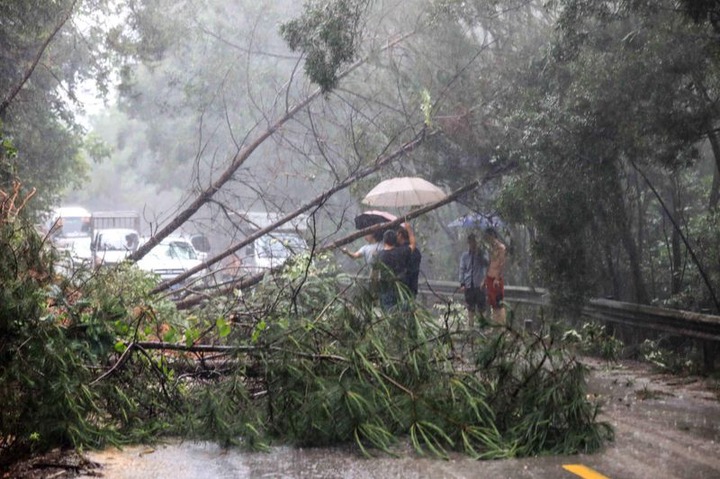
x=253, y=280
x=630, y=246
x=237, y=161
x=676, y=250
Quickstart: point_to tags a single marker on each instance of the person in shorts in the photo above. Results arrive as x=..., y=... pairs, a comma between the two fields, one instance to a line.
x=494, y=281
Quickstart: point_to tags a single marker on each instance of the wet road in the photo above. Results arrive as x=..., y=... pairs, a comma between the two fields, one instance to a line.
x=666, y=428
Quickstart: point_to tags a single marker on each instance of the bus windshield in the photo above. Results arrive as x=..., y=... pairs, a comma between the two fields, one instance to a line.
x=70, y=222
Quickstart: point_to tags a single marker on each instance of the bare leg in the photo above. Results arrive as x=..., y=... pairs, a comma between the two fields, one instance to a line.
x=498, y=315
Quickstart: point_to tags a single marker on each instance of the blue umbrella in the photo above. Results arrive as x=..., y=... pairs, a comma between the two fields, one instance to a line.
x=477, y=220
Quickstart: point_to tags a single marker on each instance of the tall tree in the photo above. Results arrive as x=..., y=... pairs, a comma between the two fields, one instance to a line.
x=618, y=91
x=51, y=51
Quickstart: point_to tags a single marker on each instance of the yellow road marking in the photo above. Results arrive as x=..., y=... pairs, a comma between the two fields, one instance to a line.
x=584, y=472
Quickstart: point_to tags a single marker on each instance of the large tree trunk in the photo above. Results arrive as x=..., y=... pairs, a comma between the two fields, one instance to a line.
x=316, y=202
x=641, y=295
x=628, y=243
x=238, y=160
x=675, y=243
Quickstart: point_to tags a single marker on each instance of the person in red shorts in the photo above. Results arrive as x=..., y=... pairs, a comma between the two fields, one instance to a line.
x=494, y=283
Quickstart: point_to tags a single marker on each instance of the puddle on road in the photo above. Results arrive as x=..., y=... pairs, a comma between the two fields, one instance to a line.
x=674, y=434
x=186, y=460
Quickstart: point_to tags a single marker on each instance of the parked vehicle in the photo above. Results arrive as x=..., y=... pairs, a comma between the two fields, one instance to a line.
x=276, y=247
x=103, y=220
x=116, y=234
x=171, y=257
x=69, y=231
x=80, y=250
x=113, y=245
x=69, y=222
x=201, y=243
x=69, y=228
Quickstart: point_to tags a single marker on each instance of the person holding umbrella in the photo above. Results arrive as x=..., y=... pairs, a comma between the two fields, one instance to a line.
x=406, y=239
x=391, y=267
x=374, y=240
x=399, y=192
x=473, y=266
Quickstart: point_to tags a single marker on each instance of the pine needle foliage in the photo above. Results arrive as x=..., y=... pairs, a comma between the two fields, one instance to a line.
x=331, y=368
x=305, y=358
x=54, y=338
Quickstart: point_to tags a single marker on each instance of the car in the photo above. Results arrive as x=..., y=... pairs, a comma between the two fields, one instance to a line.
x=273, y=250
x=68, y=222
x=171, y=257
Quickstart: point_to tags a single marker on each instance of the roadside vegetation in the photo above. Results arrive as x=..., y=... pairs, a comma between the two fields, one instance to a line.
x=308, y=362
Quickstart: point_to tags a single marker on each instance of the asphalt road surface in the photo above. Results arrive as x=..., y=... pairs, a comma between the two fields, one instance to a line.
x=666, y=428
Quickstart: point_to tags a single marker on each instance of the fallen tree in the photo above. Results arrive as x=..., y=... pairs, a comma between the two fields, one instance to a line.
x=309, y=360
x=243, y=283
x=322, y=366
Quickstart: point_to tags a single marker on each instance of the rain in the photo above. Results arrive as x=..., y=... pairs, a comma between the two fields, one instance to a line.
x=186, y=185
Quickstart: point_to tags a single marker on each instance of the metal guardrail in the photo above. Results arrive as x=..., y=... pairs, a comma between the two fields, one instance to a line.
x=676, y=322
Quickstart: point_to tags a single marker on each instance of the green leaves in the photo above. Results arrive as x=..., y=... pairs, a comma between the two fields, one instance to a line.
x=426, y=434
x=223, y=327
x=328, y=384
x=617, y=91
x=328, y=32
x=426, y=106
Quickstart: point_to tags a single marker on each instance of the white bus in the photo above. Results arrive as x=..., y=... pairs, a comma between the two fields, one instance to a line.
x=70, y=230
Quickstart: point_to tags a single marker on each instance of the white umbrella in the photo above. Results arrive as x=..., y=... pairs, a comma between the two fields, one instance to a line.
x=402, y=192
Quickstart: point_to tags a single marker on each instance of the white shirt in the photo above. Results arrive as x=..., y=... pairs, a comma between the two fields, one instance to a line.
x=369, y=251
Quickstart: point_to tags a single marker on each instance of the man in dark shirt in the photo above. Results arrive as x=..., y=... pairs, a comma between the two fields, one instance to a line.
x=392, y=263
x=406, y=240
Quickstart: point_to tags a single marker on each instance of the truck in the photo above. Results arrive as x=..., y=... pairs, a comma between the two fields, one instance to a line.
x=274, y=248
x=115, y=235
x=104, y=220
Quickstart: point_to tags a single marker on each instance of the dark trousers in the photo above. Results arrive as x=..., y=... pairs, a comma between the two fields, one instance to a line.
x=475, y=298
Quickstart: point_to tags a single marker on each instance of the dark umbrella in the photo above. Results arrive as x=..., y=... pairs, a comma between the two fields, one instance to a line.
x=477, y=220
x=371, y=218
